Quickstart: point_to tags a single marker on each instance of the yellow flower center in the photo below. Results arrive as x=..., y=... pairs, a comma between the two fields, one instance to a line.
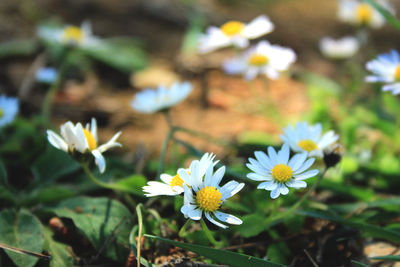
x=72, y=34
x=1, y=113
x=232, y=28
x=396, y=74
x=364, y=13
x=307, y=145
x=209, y=199
x=282, y=173
x=258, y=60
x=176, y=181
x=90, y=139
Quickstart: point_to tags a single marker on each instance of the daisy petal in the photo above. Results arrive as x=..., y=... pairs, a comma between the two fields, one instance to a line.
x=208, y=216
x=228, y=218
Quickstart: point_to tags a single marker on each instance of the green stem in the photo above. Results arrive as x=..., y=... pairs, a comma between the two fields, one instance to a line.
x=300, y=202
x=203, y=136
x=140, y=222
x=183, y=229
x=209, y=234
x=164, y=147
x=48, y=100
x=86, y=169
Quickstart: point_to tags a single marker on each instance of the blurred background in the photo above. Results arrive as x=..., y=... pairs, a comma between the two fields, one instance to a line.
x=162, y=28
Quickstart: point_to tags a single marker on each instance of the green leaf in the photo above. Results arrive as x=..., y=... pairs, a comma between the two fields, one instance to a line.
x=132, y=184
x=367, y=229
x=100, y=220
x=388, y=16
x=50, y=194
x=252, y=225
x=53, y=164
x=24, y=231
x=222, y=256
x=278, y=252
x=123, y=55
x=18, y=48
x=364, y=194
x=387, y=258
x=61, y=254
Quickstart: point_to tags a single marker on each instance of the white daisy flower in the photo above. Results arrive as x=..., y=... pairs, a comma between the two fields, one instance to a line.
x=206, y=196
x=386, y=69
x=358, y=13
x=339, y=49
x=308, y=138
x=173, y=185
x=9, y=107
x=70, y=35
x=263, y=58
x=234, y=33
x=152, y=100
x=278, y=171
x=83, y=140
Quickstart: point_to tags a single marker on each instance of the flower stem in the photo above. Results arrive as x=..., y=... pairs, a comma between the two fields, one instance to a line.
x=209, y=234
x=182, y=231
x=86, y=169
x=164, y=147
x=203, y=136
x=300, y=202
x=48, y=100
x=139, y=242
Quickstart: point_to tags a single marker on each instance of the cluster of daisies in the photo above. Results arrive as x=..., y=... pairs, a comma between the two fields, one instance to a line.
x=359, y=14
x=262, y=58
x=276, y=170
x=386, y=67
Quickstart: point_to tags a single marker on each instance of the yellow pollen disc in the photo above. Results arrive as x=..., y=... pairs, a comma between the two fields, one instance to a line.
x=232, y=28
x=90, y=139
x=209, y=199
x=72, y=34
x=364, y=13
x=307, y=145
x=176, y=181
x=396, y=75
x=258, y=60
x=1, y=113
x=282, y=173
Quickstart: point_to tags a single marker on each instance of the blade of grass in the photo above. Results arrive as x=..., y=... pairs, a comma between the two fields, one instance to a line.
x=357, y=263
x=387, y=258
x=368, y=229
x=222, y=256
x=133, y=246
x=386, y=14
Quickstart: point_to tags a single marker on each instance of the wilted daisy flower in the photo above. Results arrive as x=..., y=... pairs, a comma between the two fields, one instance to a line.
x=70, y=35
x=386, y=69
x=234, y=33
x=358, y=13
x=152, y=100
x=263, y=58
x=8, y=109
x=173, y=185
x=83, y=140
x=339, y=49
x=278, y=171
x=204, y=195
x=308, y=138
